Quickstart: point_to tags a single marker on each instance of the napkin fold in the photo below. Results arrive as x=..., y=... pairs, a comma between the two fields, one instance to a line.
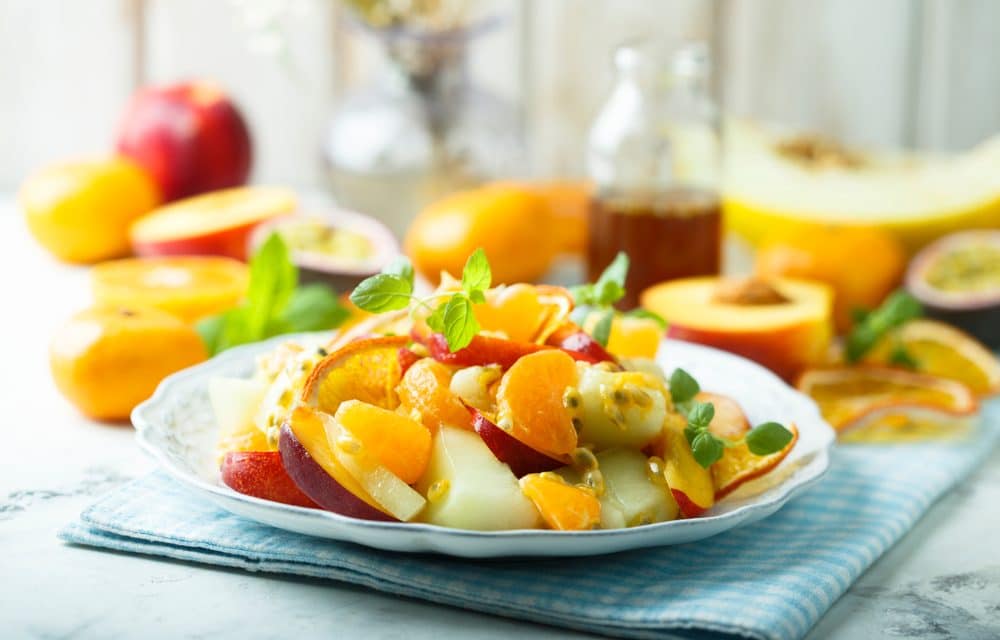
x=771, y=580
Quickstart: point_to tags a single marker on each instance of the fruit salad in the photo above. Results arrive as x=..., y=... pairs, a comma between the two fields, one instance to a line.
x=488, y=408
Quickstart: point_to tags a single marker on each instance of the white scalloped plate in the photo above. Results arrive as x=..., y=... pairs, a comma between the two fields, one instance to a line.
x=176, y=426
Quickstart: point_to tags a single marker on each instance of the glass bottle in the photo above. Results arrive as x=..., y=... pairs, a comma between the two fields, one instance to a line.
x=654, y=155
x=422, y=130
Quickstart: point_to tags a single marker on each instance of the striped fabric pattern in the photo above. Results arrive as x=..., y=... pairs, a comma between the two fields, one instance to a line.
x=770, y=580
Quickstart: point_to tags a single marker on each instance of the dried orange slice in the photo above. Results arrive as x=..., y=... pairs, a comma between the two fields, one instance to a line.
x=942, y=350
x=426, y=391
x=189, y=287
x=848, y=395
x=530, y=402
x=737, y=464
x=564, y=507
x=367, y=370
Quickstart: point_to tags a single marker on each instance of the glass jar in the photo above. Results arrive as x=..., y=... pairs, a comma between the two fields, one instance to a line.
x=422, y=130
x=654, y=155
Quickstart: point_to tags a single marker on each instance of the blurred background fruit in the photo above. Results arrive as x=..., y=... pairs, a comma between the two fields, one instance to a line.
x=189, y=288
x=783, y=323
x=569, y=203
x=189, y=136
x=81, y=210
x=108, y=360
x=862, y=265
x=335, y=247
x=513, y=225
x=808, y=183
x=216, y=223
x=957, y=279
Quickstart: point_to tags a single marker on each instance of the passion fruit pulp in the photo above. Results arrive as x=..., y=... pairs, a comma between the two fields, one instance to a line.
x=957, y=279
x=339, y=248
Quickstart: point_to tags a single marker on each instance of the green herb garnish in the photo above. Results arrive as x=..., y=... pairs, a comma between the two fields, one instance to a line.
x=601, y=296
x=452, y=316
x=707, y=448
x=274, y=305
x=898, y=309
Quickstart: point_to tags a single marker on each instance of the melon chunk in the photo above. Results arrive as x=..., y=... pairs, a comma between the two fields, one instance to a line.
x=630, y=491
x=468, y=488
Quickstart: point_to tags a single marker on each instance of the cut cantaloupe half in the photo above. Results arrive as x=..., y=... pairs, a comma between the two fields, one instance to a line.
x=776, y=184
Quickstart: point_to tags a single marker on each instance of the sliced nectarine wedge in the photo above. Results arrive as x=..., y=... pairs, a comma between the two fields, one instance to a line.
x=262, y=475
x=563, y=506
x=425, y=390
x=689, y=482
x=399, y=443
x=521, y=458
x=530, y=402
x=367, y=369
x=310, y=462
x=482, y=350
x=848, y=395
x=737, y=464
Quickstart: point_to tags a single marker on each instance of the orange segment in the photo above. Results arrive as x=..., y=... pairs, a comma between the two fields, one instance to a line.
x=366, y=369
x=846, y=395
x=563, y=506
x=398, y=443
x=530, y=402
x=942, y=350
x=630, y=337
x=426, y=390
x=187, y=287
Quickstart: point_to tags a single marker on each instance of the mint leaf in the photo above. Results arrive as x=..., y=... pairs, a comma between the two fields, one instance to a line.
x=436, y=320
x=616, y=271
x=608, y=292
x=210, y=329
x=383, y=292
x=646, y=314
x=400, y=266
x=273, y=277
x=477, y=296
x=701, y=414
x=682, y=386
x=706, y=448
x=602, y=330
x=901, y=357
x=898, y=309
x=476, y=276
x=583, y=294
x=313, y=308
x=460, y=324
x=580, y=313
x=768, y=438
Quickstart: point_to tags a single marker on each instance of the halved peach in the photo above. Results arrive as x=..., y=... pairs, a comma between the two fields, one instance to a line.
x=215, y=223
x=737, y=464
x=784, y=324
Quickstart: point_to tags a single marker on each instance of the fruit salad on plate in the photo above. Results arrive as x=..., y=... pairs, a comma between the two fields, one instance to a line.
x=488, y=408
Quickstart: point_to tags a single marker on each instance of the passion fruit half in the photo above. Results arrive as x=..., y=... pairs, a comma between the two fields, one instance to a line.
x=339, y=248
x=957, y=279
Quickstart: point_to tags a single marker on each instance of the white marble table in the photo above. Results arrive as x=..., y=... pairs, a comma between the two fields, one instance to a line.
x=942, y=581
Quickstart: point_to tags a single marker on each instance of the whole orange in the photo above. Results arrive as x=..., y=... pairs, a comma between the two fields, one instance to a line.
x=514, y=226
x=81, y=211
x=107, y=360
x=861, y=264
x=569, y=202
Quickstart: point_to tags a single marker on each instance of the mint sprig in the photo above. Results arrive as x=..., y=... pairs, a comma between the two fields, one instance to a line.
x=601, y=296
x=453, y=317
x=898, y=309
x=274, y=305
x=707, y=448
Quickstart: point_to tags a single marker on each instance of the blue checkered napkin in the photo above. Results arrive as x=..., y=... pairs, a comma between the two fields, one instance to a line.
x=772, y=579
